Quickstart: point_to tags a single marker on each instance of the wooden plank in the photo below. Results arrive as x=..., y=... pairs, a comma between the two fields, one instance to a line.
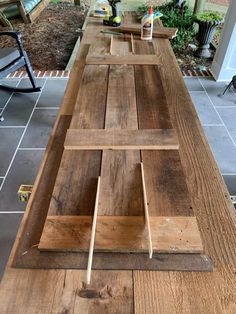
x=126, y=59
x=60, y=291
x=75, y=191
x=121, y=186
x=164, y=32
x=165, y=178
x=215, y=292
x=121, y=139
x=126, y=234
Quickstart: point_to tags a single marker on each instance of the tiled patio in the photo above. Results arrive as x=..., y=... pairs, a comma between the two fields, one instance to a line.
x=29, y=120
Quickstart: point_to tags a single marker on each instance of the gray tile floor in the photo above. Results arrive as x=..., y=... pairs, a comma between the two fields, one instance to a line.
x=30, y=118
x=28, y=121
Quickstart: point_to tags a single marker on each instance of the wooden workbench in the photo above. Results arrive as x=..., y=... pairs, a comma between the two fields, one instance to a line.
x=57, y=290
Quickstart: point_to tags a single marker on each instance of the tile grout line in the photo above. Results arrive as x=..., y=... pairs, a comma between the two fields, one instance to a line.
x=4, y=107
x=11, y=126
x=225, y=107
x=8, y=169
x=47, y=108
x=11, y=212
x=195, y=91
x=31, y=148
x=209, y=124
x=218, y=114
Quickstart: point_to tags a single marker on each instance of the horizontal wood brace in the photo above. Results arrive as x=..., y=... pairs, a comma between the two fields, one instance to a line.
x=161, y=32
x=121, y=234
x=121, y=139
x=127, y=59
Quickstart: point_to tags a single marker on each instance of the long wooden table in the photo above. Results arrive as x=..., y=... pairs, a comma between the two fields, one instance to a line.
x=43, y=290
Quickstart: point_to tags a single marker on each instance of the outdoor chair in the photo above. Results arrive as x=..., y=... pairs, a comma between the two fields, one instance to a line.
x=232, y=83
x=11, y=59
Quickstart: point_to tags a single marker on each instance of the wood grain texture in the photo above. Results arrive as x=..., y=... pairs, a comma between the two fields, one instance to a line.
x=121, y=139
x=164, y=32
x=75, y=187
x=193, y=292
x=60, y=291
x=121, y=186
x=126, y=234
x=126, y=59
x=35, y=291
x=165, y=179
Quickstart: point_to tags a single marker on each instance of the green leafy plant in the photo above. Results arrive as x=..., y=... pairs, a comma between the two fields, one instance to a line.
x=176, y=15
x=55, y=1
x=209, y=17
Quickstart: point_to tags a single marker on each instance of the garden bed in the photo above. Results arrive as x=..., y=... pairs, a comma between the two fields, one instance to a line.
x=50, y=39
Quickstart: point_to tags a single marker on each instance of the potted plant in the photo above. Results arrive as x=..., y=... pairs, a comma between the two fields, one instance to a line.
x=207, y=21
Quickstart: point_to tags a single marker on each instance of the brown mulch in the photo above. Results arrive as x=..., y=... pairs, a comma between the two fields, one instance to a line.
x=50, y=39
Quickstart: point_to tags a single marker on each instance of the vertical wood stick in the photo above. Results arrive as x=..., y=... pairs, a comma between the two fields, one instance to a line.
x=93, y=231
x=146, y=212
x=111, y=44
x=132, y=43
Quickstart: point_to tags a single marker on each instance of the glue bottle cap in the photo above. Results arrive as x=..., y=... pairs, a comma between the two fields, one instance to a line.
x=150, y=10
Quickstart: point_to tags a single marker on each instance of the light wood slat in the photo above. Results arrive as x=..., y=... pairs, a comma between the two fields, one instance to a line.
x=145, y=201
x=93, y=234
x=164, y=32
x=121, y=234
x=126, y=59
x=121, y=139
x=121, y=186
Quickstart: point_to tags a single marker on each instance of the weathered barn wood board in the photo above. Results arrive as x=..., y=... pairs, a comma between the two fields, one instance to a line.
x=75, y=189
x=152, y=292
x=164, y=32
x=85, y=139
x=165, y=178
x=121, y=186
x=126, y=59
x=122, y=234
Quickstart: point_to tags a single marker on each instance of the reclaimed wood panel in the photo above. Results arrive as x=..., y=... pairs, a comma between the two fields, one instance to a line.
x=121, y=139
x=165, y=178
x=63, y=291
x=121, y=185
x=75, y=187
x=194, y=292
x=126, y=234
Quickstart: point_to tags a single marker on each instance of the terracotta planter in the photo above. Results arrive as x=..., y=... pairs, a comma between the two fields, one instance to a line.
x=205, y=36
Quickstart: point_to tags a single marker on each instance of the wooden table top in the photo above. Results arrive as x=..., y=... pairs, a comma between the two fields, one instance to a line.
x=57, y=290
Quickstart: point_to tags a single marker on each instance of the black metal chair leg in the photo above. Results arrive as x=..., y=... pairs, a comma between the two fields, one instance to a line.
x=29, y=70
x=228, y=87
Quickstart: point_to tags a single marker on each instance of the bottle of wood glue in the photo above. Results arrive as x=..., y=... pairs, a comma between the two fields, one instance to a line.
x=147, y=25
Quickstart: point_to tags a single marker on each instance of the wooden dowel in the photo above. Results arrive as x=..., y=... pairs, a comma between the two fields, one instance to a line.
x=146, y=212
x=132, y=43
x=111, y=44
x=93, y=232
